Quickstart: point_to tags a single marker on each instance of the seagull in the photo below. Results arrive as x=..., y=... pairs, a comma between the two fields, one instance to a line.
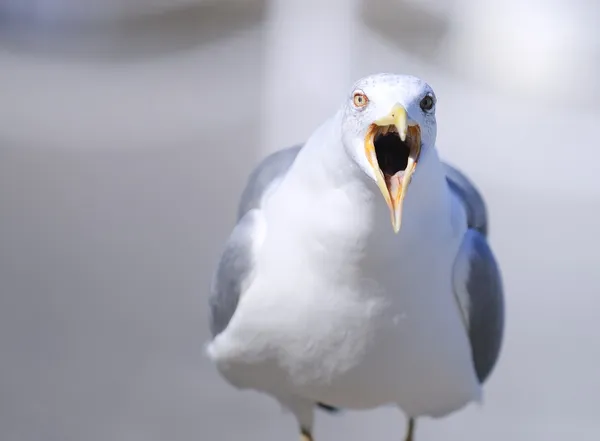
x=358, y=274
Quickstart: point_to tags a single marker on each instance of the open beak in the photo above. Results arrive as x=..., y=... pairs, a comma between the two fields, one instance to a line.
x=393, y=146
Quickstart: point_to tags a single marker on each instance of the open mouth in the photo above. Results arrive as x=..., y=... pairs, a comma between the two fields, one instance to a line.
x=391, y=152
x=393, y=148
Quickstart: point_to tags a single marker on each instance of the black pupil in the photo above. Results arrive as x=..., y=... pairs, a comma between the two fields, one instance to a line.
x=427, y=103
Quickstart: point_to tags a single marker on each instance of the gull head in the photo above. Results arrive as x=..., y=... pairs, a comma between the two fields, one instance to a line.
x=388, y=122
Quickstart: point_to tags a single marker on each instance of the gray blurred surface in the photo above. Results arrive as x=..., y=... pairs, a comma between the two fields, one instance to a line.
x=119, y=180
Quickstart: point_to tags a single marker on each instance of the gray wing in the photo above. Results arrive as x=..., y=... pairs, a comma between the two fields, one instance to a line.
x=477, y=279
x=235, y=268
x=471, y=198
x=268, y=172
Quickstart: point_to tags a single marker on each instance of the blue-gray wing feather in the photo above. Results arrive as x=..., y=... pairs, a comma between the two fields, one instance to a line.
x=474, y=204
x=477, y=279
x=233, y=271
x=268, y=172
x=235, y=267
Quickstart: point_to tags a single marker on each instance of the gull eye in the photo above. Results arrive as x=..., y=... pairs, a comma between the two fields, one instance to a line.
x=360, y=99
x=427, y=103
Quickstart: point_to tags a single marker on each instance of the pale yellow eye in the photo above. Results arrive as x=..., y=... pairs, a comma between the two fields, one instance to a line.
x=360, y=99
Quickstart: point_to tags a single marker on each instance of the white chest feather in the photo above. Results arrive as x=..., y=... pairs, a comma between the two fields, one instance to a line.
x=355, y=316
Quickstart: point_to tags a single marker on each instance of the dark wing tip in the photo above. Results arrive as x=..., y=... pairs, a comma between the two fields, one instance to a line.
x=329, y=409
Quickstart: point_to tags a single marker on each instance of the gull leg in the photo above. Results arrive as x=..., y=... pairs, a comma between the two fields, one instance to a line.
x=303, y=410
x=305, y=435
x=410, y=430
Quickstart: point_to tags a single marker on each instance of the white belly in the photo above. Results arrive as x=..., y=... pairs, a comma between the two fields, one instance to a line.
x=356, y=317
x=357, y=345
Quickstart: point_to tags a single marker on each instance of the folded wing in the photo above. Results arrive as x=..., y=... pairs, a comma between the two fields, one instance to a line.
x=477, y=279
x=236, y=266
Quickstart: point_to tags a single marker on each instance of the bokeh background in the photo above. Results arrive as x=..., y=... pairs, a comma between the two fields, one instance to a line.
x=128, y=128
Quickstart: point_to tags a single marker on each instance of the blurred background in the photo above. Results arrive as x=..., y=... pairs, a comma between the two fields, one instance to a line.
x=128, y=128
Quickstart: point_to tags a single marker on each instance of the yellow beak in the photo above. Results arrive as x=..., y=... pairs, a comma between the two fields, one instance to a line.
x=394, y=186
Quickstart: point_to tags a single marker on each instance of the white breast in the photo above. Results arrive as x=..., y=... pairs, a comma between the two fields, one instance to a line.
x=351, y=318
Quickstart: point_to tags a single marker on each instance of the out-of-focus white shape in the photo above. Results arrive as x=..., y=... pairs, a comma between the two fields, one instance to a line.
x=440, y=8
x=534, y=47
x=308, y=66
x=50, y=11
x=145, y=103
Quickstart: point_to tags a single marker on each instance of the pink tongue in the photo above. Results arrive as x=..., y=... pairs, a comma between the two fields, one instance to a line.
x=394, y=185
x=394, y=181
